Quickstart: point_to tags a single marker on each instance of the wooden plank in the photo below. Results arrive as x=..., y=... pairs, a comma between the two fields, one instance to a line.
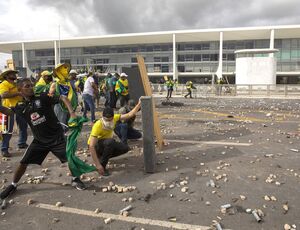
x=148, y=92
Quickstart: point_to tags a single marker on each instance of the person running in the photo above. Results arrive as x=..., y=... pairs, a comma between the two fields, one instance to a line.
x=189, y=86
x=102, y=145
x=48, y=134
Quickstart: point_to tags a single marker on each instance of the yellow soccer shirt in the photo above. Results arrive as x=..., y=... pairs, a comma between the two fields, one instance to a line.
x=100, y=133
x=6, y=86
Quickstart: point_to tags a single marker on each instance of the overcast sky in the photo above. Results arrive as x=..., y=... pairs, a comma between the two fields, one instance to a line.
x=39, y=19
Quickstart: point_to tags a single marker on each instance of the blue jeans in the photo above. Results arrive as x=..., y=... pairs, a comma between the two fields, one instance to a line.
x=22, y=124
x=89, y=102
x=62, y=116
x=125, y=132
x=107, y=98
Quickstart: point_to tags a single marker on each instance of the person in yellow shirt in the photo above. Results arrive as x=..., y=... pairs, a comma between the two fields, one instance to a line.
x=10, y=97
x=102, y=145
x=44, y=83
x=189, y=86
x=122, y=89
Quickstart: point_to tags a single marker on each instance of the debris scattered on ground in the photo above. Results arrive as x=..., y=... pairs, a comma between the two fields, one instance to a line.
x=107, y=220
x=55, y=220
x=172, y=218
x=30, y=202
x=59, y=204
x=97, y=210
x=126, y=209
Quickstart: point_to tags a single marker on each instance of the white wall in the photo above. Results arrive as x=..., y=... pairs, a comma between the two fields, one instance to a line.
x=255, y=70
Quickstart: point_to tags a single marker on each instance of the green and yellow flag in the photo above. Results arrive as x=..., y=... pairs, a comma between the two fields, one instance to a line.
x=76, y=166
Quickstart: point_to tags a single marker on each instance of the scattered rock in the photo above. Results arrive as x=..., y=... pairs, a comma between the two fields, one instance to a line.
x=55, y=220
x=243, y=197
x=97, y=210
x=285, y=208
x=30, y=202
x=184, y=189
x=287, y=227
x=107, y=220
x=172, y=218
x=59, y=204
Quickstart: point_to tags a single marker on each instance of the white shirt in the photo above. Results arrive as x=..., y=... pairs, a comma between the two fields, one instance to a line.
x=88, y=89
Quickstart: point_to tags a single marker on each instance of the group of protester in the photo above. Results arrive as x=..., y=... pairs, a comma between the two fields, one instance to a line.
x=49, y=104
x=170, y=84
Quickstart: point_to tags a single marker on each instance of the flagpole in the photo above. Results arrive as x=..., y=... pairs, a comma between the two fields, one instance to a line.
x=58, y=43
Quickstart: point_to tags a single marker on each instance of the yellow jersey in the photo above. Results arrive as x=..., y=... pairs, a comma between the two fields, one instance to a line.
x=100, y=133
x=122, y=87
x=6, y=86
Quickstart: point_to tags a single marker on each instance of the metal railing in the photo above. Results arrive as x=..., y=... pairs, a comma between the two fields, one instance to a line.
x=231, y=90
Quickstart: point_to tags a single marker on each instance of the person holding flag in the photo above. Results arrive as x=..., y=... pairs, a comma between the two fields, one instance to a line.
x=63, y=87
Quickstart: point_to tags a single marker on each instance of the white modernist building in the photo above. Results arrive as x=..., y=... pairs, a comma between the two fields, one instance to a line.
x=198, y=54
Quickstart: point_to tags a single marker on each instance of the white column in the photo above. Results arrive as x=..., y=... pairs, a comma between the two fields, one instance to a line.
x=271, y=42
x=220, y=67
x=24, y=56
x=174, y=59
x=55, y=54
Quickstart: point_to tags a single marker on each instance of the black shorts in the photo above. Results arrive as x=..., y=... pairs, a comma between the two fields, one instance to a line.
x=37, y=152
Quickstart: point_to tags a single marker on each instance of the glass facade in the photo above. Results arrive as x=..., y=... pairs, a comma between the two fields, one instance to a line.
x=201, y=57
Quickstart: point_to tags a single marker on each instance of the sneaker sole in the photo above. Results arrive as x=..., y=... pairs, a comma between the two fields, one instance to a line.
x=78, y=188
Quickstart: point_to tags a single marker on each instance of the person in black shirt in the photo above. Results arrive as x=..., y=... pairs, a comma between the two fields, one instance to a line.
x=47, y=131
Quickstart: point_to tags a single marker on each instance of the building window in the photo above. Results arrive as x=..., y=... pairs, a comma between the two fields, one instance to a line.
x=101, y=61
x=157, y=59
x=157, y=48
x=164, y=59
x=197, y=57
x=205, y=57
x=181, y=68
x=149, y=49
x=157, y=67
x=164, y=68
x=205, y=46
x=180, y=57
x=189, y=57
x=50, y=62
x=43, y=53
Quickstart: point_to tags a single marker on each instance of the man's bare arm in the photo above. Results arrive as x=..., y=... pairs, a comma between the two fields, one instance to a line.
x=67, y=103
x=129, y=115
x=52, y=89
x=10, y=95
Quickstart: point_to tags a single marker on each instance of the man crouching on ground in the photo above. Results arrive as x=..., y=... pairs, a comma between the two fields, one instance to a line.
x=47, y=132
x=102, y=146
